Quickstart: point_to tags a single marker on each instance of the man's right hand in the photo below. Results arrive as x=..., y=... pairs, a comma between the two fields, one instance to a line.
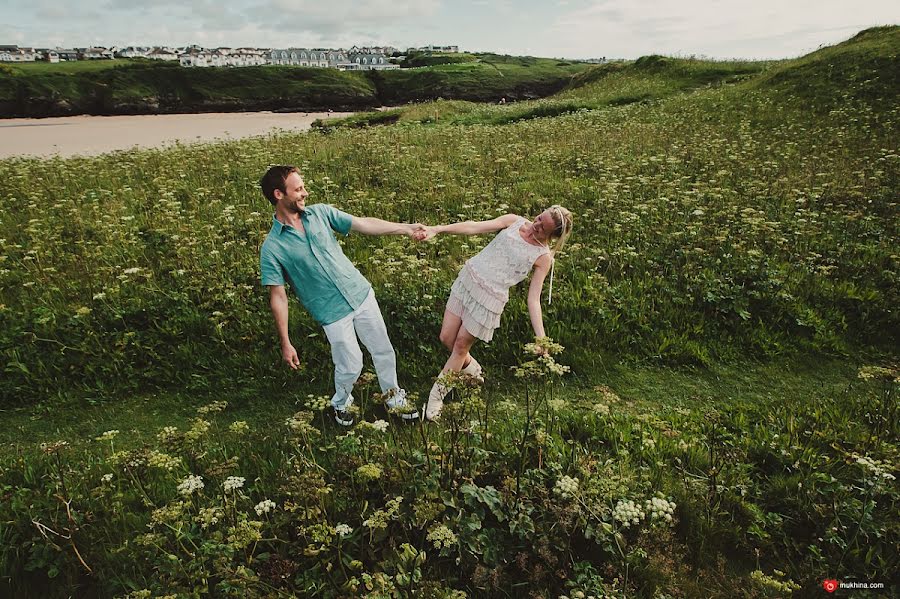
x=290, y=356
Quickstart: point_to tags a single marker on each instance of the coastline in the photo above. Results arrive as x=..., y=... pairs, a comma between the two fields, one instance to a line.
x=91, y=135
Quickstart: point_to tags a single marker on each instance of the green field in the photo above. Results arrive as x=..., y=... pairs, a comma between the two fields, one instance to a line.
x=727, y=305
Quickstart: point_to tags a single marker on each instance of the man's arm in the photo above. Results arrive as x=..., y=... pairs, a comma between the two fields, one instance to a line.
x=368, y=225
x=278, y=302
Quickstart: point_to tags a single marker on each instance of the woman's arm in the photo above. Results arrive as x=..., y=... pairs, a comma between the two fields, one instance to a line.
x=470, y=227
x=541, y=268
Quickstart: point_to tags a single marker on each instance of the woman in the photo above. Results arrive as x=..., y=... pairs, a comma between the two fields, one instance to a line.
x=481, y=290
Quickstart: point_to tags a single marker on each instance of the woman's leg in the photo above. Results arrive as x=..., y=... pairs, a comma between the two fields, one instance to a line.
x=459, y=354
x=449, y=329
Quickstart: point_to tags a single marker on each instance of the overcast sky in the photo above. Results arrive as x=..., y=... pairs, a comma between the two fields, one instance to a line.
x=553, y=28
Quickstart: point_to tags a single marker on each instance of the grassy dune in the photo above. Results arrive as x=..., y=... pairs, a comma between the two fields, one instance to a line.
x=727, y=305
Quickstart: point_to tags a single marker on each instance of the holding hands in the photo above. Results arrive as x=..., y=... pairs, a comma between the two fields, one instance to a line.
x=424, y=233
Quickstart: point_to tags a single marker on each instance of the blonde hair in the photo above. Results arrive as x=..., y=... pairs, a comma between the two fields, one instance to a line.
x=562, y=218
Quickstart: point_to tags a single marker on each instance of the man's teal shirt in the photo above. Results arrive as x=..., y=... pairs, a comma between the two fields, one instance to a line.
x=325, y=281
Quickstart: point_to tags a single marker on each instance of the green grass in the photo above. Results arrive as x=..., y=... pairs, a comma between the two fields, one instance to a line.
x=727, y=302
x=865, y=68
x=641, y=387
x=73, y=67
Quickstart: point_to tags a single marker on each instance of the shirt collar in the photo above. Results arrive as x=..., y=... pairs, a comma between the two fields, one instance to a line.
x=279, y=227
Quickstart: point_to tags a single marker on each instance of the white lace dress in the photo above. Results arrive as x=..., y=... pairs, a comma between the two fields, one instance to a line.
x=481, y=290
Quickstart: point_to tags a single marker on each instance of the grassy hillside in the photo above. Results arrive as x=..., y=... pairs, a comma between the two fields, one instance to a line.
x=614, y=84
x=138, y=87
x=727, y=303
x=864, y=69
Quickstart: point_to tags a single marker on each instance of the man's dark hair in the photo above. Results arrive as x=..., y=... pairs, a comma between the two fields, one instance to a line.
x=274, y=179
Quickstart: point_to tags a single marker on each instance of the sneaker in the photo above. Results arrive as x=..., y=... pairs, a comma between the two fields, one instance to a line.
x=397, y=404
x=343, y=415
x=473, y=369
x=432, y=409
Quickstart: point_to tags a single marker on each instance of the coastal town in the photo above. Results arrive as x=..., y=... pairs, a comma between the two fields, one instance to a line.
x=356, y=58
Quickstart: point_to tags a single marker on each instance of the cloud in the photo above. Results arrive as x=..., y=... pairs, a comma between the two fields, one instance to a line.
x=340, y=15
x=715, y=28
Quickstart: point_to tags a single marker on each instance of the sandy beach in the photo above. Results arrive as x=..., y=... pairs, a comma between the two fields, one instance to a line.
x=87, y=135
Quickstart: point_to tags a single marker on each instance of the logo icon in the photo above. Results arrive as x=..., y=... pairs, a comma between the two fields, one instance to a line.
x=830, y=585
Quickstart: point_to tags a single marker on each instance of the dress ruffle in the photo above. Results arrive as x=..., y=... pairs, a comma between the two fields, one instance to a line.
x=477, y=305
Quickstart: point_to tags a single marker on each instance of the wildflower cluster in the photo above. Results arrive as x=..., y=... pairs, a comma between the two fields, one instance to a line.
x=542, y=362
x=107, y=436
x=880, y=373
x=342, y=530
x=441, y=537
x=659, y=509
x=317, y=404
x=239, y=427
x=244, y=533
x=190, y=484
x=628, y=513
x=212, y=408
x=233, y=483
x=300, y=423
x=368, y=472
x=264, y=507
x=167, y=434
x=566, y=487
x=163, y=461
x=209, y=516
x=199, y=428
x=777, y=583
x=380, y=518
x=877, y=468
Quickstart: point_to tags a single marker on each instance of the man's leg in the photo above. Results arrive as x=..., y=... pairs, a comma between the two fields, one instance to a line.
x=373, y=333
x=347, y=358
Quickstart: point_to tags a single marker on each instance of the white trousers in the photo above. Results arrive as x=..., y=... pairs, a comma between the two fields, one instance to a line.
x=367, y=323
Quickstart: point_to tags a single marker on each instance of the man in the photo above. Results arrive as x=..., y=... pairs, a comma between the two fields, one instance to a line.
x=301, y=248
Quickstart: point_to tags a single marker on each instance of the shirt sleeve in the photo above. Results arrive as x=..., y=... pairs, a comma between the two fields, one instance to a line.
x=269, y=268
x=338, y=220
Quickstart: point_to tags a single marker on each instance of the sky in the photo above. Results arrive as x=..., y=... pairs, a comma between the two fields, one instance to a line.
x=752, y=29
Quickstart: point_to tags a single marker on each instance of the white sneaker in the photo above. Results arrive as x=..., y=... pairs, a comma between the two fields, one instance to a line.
x=397, y=404
x=435, y=404
x=473, y=369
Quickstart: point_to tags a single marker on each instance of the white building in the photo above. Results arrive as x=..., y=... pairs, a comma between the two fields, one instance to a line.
x=134, y=52
x=369, y=62
x=445, y=49
x=162, y=54
x=97, y=54
x=223, y=57
x=17, y=54
x=303, y=57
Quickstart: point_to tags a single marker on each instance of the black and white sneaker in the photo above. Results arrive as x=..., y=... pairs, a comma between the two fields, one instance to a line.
x=343, y=417
x=398, y=404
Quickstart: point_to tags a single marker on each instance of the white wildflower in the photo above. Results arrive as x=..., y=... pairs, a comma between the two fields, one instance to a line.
x=190, y=484
x=233, y=483
x=264, y=507
x=566, y=487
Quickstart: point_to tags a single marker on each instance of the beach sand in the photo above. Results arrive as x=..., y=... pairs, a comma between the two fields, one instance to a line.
x=88, y=135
